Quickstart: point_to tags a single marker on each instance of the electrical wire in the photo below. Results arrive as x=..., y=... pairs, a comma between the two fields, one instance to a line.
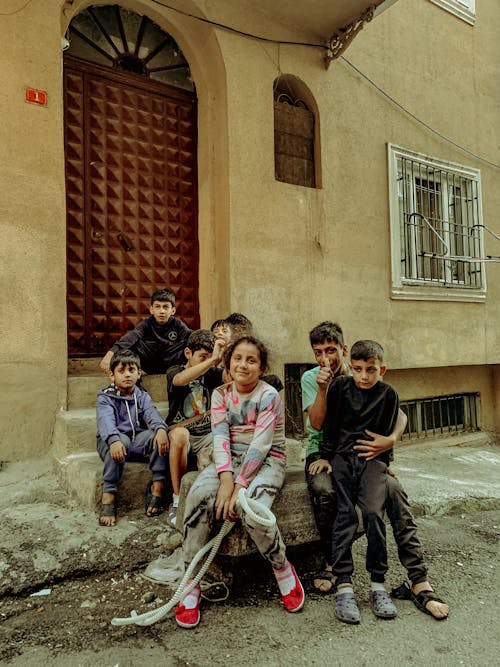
x=236, y=30
x=416, y=118
x=317, y=46
x=348, y=62
x=16, y=11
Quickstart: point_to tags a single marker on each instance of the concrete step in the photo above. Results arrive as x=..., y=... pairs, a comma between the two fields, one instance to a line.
x=83, y=388
x=80, y=476
x=292, y=509
x=75, y=430
x=80, y=471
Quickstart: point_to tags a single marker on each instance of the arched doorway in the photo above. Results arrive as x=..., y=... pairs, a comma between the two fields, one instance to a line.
x=131, y=176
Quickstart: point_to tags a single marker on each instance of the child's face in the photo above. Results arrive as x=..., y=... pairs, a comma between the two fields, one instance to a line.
x=194, y=358
x=161, y=311
x=334, y=352
x=222, y=332
x=244, y=366
x=125, y=377
x=366, y=374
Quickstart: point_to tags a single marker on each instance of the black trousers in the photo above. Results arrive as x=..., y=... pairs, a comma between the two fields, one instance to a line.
x=404, y=528
x=360, y=482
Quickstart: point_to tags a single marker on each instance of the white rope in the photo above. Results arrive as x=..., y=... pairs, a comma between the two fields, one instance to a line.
x=255, y=510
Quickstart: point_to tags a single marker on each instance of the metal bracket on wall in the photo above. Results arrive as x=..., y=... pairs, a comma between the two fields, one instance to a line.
x=340, y=40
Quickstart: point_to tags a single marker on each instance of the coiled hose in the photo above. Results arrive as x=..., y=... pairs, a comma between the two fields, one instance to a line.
x=255, y=510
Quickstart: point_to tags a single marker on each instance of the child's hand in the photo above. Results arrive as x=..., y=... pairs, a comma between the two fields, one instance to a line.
x=117, y=451
x=324, y=376
x=105, y=361
x=232, y=514
x=218, y=350
x=319, y=466
x=370, y=449
x=161, y=441
x=224, y=495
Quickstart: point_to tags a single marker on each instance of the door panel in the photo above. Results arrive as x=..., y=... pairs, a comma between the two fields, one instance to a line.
x=131, y=193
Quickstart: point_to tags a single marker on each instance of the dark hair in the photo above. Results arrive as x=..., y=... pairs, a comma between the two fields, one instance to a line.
x=125, y=357
x=329, y=331
x=201, y=339
x=239, y=323
x=163, y=295
x=367, y=349
x=219, y=323
x=263, y=351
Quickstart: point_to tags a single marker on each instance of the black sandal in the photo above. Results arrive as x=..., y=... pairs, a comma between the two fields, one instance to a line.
x=420, y=600
x=107, y=509
x=154, y=502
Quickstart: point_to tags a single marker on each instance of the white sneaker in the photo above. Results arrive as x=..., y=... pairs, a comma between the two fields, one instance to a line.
x=172, y=514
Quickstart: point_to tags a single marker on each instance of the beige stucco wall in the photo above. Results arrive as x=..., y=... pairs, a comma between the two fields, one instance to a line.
x=33, y=357
x=32, y=252
x=326, y=253
x=299, y=256
x=286, y=256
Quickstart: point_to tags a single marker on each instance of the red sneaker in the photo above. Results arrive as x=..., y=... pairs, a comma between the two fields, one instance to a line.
x=187, y=618
x=294, y=601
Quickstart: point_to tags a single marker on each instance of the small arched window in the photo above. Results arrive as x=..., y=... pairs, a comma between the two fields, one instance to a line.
x=295, y=132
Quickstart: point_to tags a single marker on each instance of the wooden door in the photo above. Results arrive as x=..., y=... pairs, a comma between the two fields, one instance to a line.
x=131, y=197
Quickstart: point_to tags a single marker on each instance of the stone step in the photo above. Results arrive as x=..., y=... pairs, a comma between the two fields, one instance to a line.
x=75, y=430
x=80, y=476
x=83, y=388
x=80, y=471
x=442, y=476
x=292, y=509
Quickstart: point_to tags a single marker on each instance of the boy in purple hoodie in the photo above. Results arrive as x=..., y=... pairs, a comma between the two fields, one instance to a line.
x=129, y=427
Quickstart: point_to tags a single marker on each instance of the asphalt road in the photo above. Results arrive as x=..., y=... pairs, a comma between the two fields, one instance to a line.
x=71, y=626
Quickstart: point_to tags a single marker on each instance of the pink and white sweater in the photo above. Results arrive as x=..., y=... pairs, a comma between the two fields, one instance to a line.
x=248, y=425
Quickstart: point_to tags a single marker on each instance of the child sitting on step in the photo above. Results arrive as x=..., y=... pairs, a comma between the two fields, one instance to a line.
x=249, y=453
x=129, y=427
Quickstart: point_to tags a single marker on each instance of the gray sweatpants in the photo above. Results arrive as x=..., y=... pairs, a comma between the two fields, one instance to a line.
x=199, y=515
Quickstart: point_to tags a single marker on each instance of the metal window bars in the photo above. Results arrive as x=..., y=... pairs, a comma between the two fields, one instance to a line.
x=441, y=415
x=447, y=254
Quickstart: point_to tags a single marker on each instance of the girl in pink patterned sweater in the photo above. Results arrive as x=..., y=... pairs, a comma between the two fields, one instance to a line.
x=249, y=452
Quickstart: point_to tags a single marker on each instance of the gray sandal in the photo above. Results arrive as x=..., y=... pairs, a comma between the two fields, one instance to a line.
x=346, y=608
x=382, y=605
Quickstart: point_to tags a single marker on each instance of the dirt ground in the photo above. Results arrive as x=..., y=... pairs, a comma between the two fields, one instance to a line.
x=71, y=626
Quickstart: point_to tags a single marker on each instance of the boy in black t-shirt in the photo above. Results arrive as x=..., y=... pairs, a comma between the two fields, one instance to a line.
x=189, y=394
x=356, y=404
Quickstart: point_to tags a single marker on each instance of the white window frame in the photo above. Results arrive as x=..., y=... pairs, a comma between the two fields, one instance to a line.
x=446, y=287
x=464, y=9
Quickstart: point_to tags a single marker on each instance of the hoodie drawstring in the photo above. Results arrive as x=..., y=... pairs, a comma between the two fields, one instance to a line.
x=130, y=416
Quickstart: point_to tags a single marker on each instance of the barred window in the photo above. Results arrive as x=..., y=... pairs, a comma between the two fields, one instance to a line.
x=441, y=415
x=436, y=227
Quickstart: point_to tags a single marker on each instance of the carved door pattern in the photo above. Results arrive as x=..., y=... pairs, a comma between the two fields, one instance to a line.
x=131, y=197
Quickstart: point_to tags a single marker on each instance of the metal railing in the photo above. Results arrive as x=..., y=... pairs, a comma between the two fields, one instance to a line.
x=441, y=415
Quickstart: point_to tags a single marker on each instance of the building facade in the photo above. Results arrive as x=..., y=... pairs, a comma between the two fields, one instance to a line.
x=238, y=154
